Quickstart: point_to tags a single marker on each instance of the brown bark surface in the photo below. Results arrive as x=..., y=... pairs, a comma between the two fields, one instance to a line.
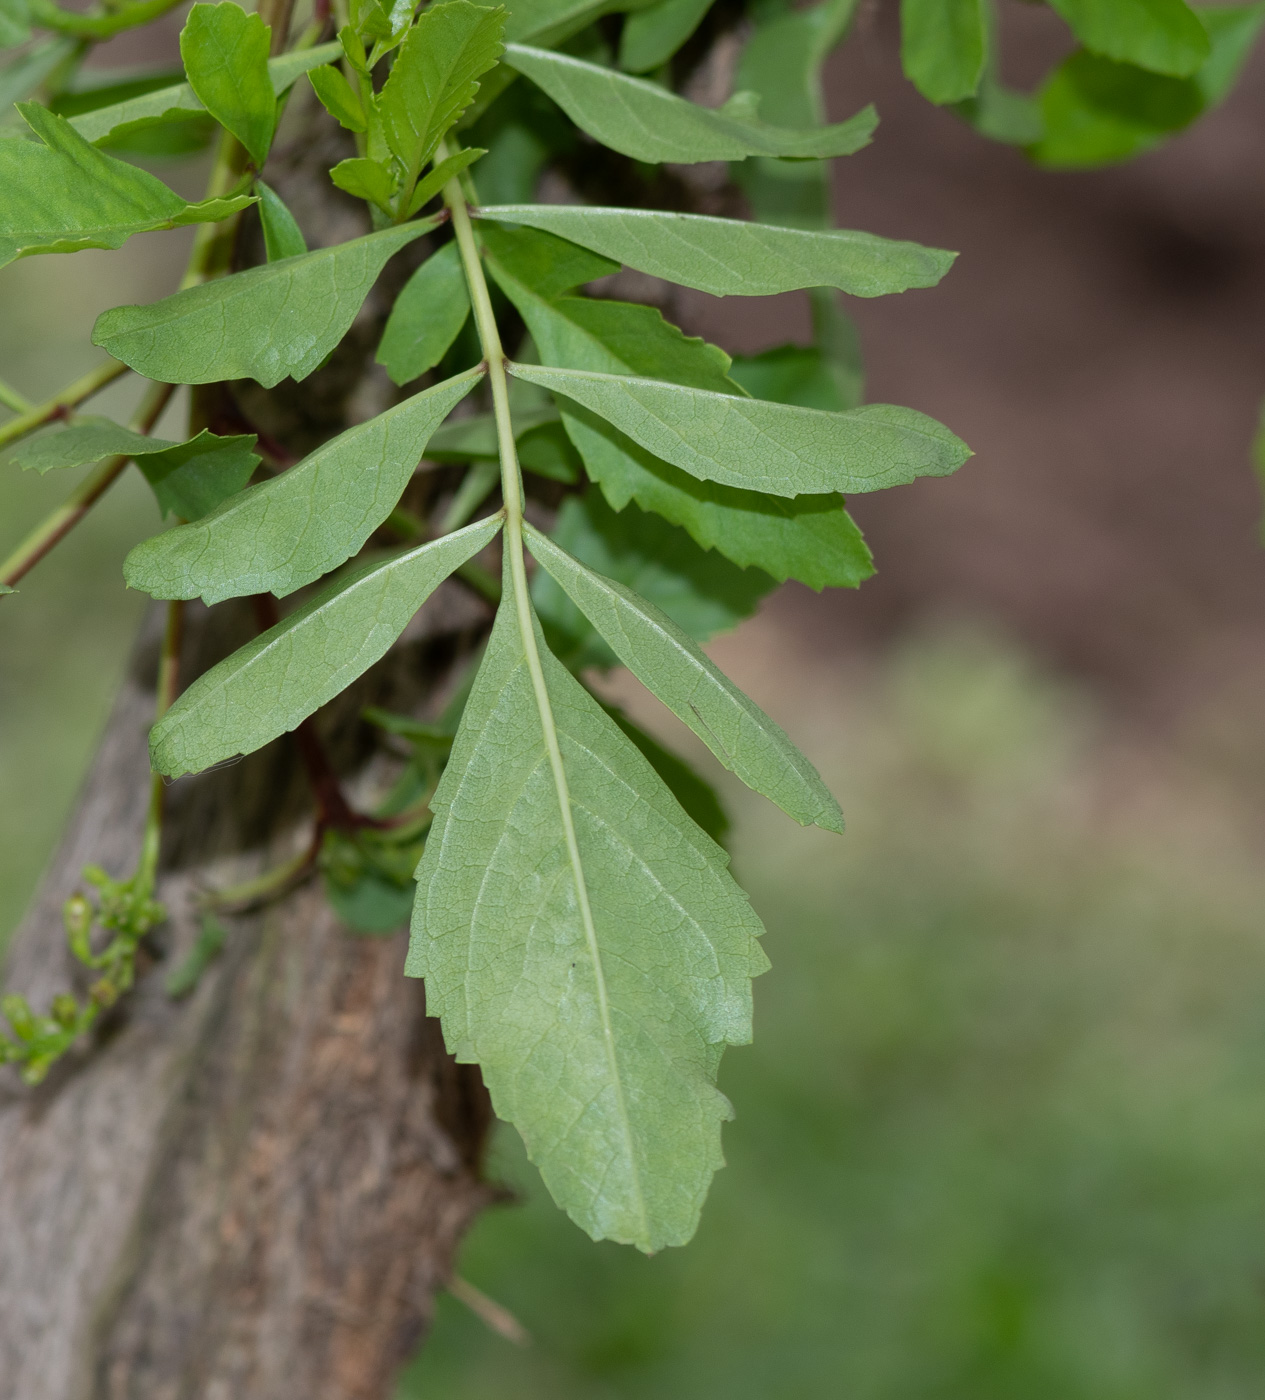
x=256, y=1191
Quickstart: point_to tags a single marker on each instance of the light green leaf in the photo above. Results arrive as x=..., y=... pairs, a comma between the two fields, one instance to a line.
x=701, y=591
x=1232, y=30
x=697, y=797
x=178, y=103
x=809, y=538
x=338, y=97
x=62, y=195
x=435, y=77
x=274, y=682
x=1002, y=114
x=1164, y=36
x=649, y=123
x=551, y=22
x=430, y=185
x=87, y=440
x=427, y=316
x=584, y=943
x=674, y=667
x=759, y=446
x=285, y=532
x=652, y=36
x=367, y=179
x=264, y=323
x=942, y=47
x=225, y=55
x=283, y=238
x=729, y=257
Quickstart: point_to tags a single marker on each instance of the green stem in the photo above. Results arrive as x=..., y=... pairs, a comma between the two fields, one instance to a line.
x=512, y=494
x=69, y=397
x=49, y=16
x=10, y=397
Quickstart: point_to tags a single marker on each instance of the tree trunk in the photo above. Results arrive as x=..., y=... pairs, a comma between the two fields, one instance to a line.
x=255, y=1192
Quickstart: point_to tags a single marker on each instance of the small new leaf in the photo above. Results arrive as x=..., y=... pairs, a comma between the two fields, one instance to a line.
x=674, y=668
x=264, y=323
x=225, y=55
x=427, y=317
x=759, y=446
x=290, y=530
x=366, y=179
x=272, y=683
x=583, y=942
x=338, y=97
x=729, y=257
x=647, y=122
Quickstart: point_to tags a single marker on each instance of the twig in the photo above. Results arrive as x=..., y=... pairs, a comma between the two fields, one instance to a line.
x=56, y=407
x=489, y=1312
x=10, y=397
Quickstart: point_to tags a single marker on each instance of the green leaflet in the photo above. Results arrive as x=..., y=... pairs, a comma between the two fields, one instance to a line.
x=272, y=683
x=435, y=77
x=338, y=97
x=62, y=195
x=1162, y=35
x=697, y=797
x=700, y=591
x=649, y=123
x=942, y=47
x=427, y=317
x=285, y=532
x=264, y=323
x=758, y=446
x=188, y=478
x=584, y=943
x=669, y=663
x=730, y=257
x=225, y=55
x=178, y=103
x=283, y=238
x=652, y=36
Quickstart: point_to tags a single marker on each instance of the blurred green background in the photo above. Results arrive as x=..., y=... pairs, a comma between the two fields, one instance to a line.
x=1002, y=1131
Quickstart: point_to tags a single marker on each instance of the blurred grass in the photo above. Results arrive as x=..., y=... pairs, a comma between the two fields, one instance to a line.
x=1002, y=1130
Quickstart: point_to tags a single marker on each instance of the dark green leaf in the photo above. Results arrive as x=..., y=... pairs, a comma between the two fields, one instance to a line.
x=1164, y=36
x=652, y=36
x=546, y=450
x=290, y=530
x=942, y=45
x=697, y=797
x=272, y=683
x=670, y=664
x=282, y=236
x=225, y=55
x=427, y=316
x=557, y=874
x=649, y=123
x=728, y=257
x=264, y=323
x=338, y=97
x=701, y=591
x=61, y=194
x=369, y=879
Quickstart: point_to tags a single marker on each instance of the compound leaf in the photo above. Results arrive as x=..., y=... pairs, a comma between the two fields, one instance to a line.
x=283, y=238
x=427, y=316
x=285, y=532
x=225, y=55
x=701, y=591
x=435, y=77
x=272, y=683
x=778, y=448
x=943, y=46
x=62, y=195
x=264, y=323
x=672, y=665
x=583, y=942
x=1162, y=35
x=649, y=123
x=730, y=257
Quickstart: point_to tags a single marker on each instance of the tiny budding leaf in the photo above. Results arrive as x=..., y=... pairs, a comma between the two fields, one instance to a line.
x=264, y=323
x=427, y=317
x=584, y=943
x=225, y=55
x=729, y=257
x=62, y=195
x=288, y=672
x=779, y=448
x=283, y=533
x=675, y=669
x=647, y=122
